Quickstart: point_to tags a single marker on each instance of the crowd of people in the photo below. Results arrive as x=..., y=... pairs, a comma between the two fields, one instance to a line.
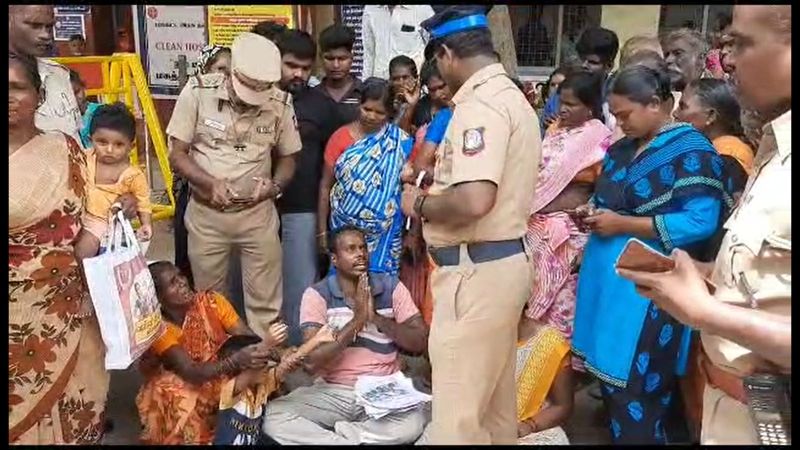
x=436, y=209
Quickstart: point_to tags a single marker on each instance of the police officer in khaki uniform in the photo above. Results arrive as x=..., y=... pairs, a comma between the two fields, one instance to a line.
x=745, y=323
x=474, y=219
x=224, y=134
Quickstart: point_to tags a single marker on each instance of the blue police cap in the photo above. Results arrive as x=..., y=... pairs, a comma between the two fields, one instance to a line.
x=456, y=19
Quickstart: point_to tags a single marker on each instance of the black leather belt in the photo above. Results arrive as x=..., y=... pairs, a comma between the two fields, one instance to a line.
x=479, y=252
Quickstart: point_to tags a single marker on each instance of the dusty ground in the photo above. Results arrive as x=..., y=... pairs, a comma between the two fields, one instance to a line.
x=585, y=427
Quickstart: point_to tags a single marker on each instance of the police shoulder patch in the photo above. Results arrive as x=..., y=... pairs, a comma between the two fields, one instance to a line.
x=473, y=141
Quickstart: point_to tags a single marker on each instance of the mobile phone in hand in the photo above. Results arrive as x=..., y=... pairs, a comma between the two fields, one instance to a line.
x=641, y=257
x=577, y=215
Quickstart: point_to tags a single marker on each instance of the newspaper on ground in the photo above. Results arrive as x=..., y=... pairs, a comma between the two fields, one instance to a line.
x=383, y=395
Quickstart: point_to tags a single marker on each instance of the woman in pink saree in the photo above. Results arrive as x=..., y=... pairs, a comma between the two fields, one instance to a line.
x=571, y=157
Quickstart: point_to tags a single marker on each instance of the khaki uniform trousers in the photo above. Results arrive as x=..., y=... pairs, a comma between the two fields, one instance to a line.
x=726, y=421
x=472, y=348
x=212, y=237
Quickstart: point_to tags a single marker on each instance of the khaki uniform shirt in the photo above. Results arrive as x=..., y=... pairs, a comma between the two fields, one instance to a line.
x=230, y=145
x=493, y=136
x=753, y=267
x=60, y=110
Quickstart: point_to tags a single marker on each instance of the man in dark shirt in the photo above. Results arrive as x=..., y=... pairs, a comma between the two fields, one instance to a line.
x=336, y=44
x=317, y=119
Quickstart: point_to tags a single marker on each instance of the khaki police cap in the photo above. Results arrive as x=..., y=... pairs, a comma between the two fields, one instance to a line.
x=256, y=61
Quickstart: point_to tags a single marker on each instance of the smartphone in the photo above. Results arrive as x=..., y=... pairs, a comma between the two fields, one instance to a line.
x=242, y=190
x=639, y=256
x=577, y=216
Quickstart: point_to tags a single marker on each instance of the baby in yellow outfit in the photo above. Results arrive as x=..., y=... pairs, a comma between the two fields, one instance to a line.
x=113, y=130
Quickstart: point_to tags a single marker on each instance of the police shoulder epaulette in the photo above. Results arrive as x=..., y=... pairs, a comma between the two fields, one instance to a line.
x=282, y=96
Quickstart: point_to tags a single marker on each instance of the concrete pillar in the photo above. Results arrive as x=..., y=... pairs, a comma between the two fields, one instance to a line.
x=630, y=20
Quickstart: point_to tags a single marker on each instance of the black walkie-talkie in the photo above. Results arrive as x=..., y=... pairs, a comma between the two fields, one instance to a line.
x=770, y=406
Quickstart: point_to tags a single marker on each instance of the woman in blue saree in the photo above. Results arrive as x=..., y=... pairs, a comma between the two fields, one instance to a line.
x=664, y=184
x=361, y=179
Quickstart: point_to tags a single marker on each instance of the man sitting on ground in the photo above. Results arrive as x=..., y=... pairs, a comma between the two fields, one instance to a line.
x=374, y=316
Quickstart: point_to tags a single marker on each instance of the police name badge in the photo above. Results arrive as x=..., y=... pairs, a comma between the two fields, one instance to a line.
x=262, y=130
x=473, y=141
x=214, y=124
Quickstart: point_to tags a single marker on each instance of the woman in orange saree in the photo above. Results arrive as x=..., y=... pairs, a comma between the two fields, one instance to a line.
x=57, y=383
x=180, y=397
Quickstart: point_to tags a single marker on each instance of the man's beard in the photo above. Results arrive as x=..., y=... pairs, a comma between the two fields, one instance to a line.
x=296, y=86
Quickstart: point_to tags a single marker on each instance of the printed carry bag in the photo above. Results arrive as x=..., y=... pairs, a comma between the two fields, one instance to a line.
x=124, y=297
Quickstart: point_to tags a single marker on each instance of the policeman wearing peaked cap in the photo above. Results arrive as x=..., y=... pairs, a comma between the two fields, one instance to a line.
x=447, y=13
x=224, y=133
x=474, y=218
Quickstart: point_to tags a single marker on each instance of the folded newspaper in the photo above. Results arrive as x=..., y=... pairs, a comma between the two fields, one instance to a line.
x=383, y=395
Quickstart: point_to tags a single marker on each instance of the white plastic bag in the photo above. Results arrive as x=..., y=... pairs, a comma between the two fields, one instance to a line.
x=124, y=297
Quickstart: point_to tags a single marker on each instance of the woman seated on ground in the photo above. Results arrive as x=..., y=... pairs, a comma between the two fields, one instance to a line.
x=545, y=395
x=571, y=157
x=361, y=178
x=183, y=376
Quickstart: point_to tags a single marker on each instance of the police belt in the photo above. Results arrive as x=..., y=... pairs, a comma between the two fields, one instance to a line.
x=726, y=382
x=479, y=252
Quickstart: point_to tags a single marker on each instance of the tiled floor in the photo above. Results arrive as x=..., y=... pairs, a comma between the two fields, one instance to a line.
x=585, y=427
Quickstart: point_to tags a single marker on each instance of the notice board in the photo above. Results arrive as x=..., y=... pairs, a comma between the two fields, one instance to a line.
x=68, y=25
x=225, y=22
x=351, y=17
x=165, y=34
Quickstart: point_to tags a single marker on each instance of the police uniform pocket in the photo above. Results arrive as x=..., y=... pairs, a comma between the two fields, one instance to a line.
x=759, y=259
x=408, y=42
x=211, y=131
x=445, y=293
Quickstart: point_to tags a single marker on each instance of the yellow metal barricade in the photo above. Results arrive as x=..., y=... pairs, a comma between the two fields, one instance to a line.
x=122, y=73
